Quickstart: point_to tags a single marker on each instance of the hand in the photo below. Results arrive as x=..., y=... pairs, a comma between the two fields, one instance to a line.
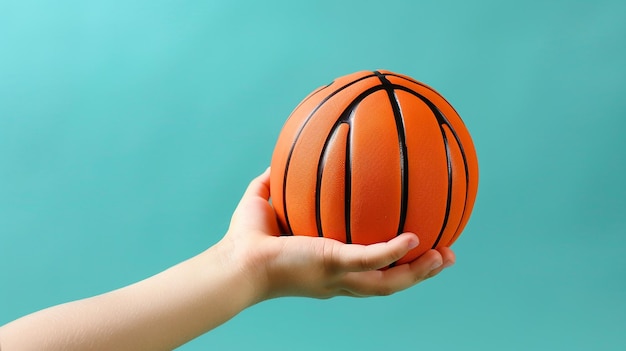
x=318, y=267
x=250, y=264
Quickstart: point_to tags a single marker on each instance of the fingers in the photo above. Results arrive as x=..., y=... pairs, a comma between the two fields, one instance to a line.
x=382, y=283
x=253, y=206
x=449, y=258
x=357, y=258
x=259, y=186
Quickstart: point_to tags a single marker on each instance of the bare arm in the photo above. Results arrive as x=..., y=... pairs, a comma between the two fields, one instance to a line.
x=250, y=264
x=158, y=313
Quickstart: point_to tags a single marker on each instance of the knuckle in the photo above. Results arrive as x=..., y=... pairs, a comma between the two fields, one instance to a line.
x=331, y=255
x=367, y=263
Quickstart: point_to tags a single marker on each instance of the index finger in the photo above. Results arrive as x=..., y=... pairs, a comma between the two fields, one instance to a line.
x=259, y=186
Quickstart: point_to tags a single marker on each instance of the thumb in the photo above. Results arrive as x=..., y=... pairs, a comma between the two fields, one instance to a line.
x=356, y=258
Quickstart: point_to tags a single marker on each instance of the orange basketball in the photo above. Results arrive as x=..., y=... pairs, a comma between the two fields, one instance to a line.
x=373, y=155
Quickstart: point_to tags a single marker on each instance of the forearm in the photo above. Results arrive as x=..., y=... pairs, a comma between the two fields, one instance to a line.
x=251, y=263
x=159, y=313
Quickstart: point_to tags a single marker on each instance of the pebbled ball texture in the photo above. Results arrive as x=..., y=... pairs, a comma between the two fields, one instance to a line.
x=373, y=155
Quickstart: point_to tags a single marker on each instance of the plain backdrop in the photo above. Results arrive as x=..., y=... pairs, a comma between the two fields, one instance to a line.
x=130, y=129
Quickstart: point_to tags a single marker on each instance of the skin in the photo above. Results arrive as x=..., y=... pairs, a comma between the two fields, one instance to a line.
x=251, y=263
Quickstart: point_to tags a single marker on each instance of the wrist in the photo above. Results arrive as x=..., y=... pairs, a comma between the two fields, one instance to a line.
x=245, y=263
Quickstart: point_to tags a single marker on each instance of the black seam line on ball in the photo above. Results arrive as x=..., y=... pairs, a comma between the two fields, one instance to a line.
x=295, y=141
x=467, y=175
x=404, y=161
x=449, y=195
x=442, y=120
x=424, y=86
x=320, y=172
x=348, y=180
x=346, y=117
x=315, y=92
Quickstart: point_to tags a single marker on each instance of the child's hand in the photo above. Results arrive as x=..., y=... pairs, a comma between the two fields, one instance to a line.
x=314, y=266
x=250, y=264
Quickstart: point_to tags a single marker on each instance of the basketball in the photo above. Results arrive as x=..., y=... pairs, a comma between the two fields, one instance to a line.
x=370, y=156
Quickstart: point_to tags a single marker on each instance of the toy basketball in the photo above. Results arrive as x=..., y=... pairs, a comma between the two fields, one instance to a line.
x=373, y=155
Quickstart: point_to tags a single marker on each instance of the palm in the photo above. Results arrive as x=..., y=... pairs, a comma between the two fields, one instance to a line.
x=322, y=267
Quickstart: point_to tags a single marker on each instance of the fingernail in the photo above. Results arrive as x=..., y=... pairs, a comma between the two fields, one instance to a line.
x=413, y=242
x=436, y=264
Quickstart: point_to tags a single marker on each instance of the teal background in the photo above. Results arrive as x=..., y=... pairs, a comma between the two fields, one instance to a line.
x=129, y=130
